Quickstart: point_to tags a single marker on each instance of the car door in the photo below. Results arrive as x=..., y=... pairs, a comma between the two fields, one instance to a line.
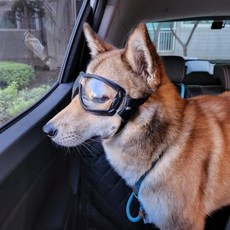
x=35, y=192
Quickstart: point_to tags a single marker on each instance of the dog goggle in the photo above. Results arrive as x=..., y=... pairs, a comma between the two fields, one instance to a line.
x=104, y=97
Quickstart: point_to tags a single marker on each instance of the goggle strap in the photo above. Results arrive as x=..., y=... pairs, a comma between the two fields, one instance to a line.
x=131, y=107
x=121, y=126
x=132, y=102
x=129, y=110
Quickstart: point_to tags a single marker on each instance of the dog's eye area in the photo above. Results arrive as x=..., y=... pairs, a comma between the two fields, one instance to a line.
x=96, y=93
x=99, y=100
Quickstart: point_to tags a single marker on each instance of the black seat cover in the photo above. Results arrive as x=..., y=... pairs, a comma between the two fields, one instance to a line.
x=103, y=195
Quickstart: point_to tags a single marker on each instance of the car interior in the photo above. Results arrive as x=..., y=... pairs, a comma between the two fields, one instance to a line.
x=47, y=187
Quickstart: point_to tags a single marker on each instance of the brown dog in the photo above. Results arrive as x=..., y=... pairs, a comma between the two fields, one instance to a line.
x=188, y=140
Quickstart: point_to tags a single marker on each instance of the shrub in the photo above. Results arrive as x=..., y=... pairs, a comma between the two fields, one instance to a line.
x=20, y=73
x=13, y=101
x=7, y=95
x=25, y=98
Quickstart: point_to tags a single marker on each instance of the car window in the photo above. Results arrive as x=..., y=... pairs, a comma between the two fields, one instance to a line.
x=201, y=39
x=34, y=36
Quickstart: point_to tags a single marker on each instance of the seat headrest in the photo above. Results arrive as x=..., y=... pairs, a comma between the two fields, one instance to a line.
x=200, y=78
x=223, y=73
x=175, y=67
x=200, y=72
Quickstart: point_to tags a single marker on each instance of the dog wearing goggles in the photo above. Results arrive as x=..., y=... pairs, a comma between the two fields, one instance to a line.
x=175, y=151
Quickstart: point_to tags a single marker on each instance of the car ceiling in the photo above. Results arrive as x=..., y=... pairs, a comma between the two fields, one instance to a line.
x=122, y=15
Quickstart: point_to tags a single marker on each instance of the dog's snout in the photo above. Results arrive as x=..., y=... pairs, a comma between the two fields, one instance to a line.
x=50, y=129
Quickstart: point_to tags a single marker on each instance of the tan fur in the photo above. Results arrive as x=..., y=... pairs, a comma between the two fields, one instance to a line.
x=192, y=178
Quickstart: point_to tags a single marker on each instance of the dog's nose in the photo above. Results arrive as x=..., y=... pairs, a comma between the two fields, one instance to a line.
x=50, y=129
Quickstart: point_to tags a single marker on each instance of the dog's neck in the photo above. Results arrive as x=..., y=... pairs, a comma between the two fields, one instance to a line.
x=143, y=139
x=130, y=156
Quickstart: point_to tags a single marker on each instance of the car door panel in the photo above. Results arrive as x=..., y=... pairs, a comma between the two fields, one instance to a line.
x=31, y=165
x=35, y=192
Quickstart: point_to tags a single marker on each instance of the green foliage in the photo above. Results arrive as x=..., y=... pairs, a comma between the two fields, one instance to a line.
x=14, y=101
x=20, y=73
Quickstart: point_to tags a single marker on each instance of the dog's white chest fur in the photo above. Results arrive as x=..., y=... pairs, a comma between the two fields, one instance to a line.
x=156, y=209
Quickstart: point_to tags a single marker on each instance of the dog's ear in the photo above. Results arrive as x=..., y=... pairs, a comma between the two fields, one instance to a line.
x=141, y=55
x=95, y=43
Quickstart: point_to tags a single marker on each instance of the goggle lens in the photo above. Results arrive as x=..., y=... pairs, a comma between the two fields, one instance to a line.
x=96, y=95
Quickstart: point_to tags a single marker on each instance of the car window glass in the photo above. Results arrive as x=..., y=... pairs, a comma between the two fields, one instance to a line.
x=201, y=39
x=34, y=36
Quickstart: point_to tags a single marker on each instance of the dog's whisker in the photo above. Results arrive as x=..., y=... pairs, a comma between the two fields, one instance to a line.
x=67, y=152
x=97, y=140
x=88, y=149
x=93, y=148
x=79, y=150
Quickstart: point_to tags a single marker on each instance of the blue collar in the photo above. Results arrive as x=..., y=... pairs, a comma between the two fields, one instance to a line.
x=135, y=194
